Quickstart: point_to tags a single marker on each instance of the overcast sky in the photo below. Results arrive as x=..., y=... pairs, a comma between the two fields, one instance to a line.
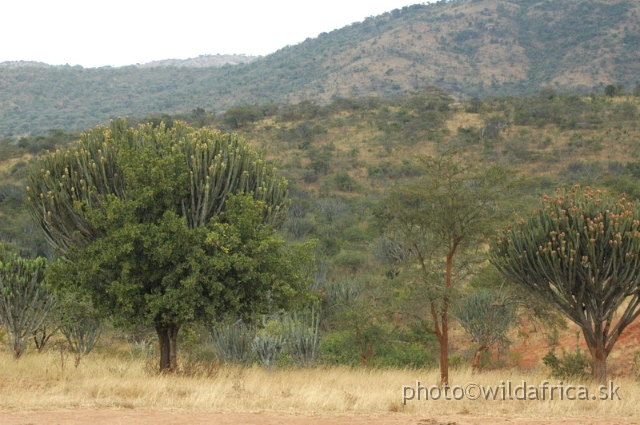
x=95, y=33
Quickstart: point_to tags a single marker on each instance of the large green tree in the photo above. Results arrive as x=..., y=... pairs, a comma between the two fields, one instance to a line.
x=442, y=218
x=581, y=252
x=166, y=226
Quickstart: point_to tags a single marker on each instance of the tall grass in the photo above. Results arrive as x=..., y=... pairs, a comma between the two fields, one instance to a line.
x=43, y=382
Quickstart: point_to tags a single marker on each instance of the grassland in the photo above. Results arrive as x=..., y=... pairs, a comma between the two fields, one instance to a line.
x=39, y=382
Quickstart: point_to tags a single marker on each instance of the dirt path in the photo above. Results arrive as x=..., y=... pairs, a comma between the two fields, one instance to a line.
x=142, y=417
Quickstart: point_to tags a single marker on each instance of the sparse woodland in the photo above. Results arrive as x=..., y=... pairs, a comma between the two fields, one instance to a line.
x=397, y=226
x=342, y=162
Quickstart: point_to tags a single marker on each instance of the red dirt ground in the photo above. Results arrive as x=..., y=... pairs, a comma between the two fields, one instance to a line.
x=530, y=350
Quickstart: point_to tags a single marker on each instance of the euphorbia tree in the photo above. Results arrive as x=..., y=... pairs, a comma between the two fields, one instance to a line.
x=581, y=252
x=166, y=226
x=25, y=302
x=486, y=316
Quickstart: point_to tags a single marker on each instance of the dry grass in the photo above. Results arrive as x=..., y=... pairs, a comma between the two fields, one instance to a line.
x=38, y=382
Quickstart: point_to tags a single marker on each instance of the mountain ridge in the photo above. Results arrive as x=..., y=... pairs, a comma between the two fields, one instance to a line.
x=202, y=61
x=471, y=48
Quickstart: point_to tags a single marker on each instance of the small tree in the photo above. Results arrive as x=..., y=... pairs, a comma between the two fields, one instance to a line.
x=486, y=316
x=24, y=300
x=441, y=217
x=82, y=336
x=581, y=252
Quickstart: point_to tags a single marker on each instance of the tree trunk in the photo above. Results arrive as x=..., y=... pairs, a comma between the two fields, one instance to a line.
x=441, y=330
x=444, y=355
x=475, y=365
x=168, y=339
x=17, y=346
x=595, y=339
x=444, y=318
x=599, y=356
x=17, y=351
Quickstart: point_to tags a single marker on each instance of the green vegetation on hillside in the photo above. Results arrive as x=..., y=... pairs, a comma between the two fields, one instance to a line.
x=471, y=48
x=344, y=157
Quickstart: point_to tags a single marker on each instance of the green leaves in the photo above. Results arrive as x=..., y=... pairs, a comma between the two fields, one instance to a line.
x=583, y=244
x=485, y=315
x=450, y=209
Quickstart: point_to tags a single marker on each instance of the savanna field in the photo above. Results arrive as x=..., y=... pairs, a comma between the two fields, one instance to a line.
x=419, y=218
x=121, y=382
x=340, y=163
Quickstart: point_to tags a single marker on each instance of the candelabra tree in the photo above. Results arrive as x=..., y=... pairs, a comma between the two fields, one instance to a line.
x=580, y=252
x=486, y=316
x=25, y=302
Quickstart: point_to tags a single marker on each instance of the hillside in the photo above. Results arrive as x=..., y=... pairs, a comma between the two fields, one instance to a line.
x=468, y=47
x=354, y=149
x=343, y=158
x=202, y=61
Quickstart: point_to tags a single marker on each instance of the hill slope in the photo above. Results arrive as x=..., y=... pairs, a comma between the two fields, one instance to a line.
x=469, y=47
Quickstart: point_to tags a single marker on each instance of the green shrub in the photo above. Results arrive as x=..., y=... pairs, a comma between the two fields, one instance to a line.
x=387, y=349
x=350, y=260
x=344, y=182
x=232, y=344
x=569, y=365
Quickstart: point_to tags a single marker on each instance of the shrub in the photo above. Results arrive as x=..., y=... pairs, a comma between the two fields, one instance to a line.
x=299, y=227
x=302, y=336
x=82, y=336
x=351, y=260
x=570, y=365
x=344, y=181
x=267, y=348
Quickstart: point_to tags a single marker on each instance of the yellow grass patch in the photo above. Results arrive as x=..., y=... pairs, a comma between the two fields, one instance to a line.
x=37, y=381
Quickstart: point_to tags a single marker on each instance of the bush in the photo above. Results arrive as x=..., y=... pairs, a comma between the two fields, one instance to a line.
x=299, y=227
x=344, y=181
x=267, y=348
x=303, y=337
x=82, y=335
x=350, y=260
x=341, y=348
x=570, y=365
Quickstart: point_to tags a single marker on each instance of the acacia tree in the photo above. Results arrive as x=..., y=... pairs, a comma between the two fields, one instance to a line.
x=580, y=252
x=441, y=217
x=164, y=227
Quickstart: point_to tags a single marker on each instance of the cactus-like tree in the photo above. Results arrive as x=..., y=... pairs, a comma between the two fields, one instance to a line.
x=581, y=252
x=486, y=316
x=165, y=226
x=24, y=300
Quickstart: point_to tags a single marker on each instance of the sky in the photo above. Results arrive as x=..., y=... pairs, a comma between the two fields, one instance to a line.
x=95, y=33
